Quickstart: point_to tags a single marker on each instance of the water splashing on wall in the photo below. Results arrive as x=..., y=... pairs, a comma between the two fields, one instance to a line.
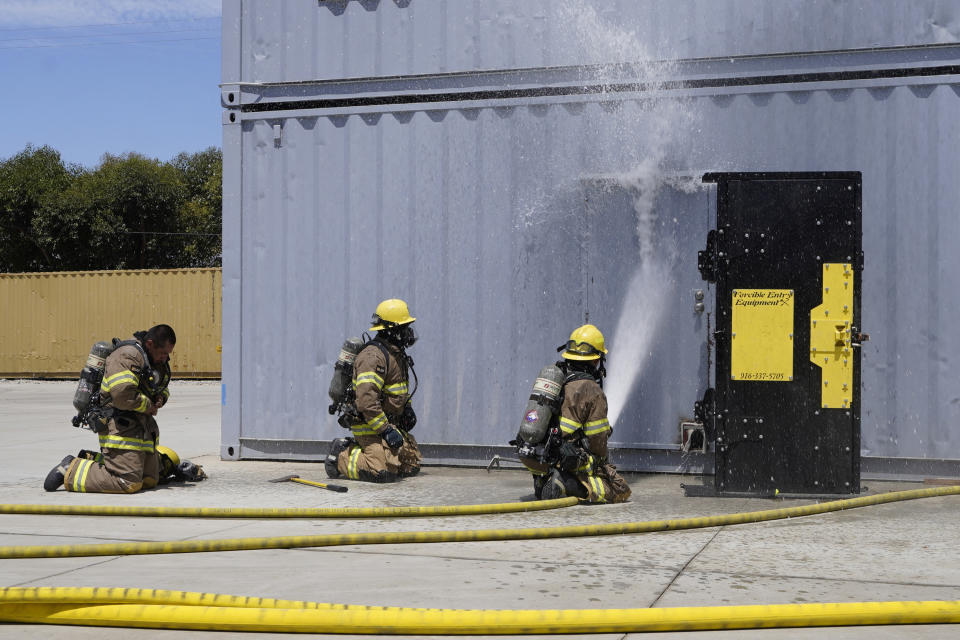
x=652, y=132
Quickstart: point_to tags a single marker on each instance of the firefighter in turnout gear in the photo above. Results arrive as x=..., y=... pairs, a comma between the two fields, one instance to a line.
x=133, y=389
x=381, y=448
x=573, y=458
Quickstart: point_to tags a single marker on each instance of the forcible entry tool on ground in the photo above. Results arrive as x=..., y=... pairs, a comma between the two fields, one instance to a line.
x=322, y=485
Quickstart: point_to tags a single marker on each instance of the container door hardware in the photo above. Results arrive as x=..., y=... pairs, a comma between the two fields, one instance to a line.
x=707, y=259
x=831, y=339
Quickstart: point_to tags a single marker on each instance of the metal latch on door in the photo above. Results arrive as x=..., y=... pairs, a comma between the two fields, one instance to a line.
x=831, y=336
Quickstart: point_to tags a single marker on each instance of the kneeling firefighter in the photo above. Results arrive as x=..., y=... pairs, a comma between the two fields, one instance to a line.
x=170, y=467
x=377, y=409
x=121, y=390
x=563, y=436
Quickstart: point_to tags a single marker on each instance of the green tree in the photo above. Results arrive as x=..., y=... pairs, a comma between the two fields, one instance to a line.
x=130, y=212
x=79, y=239
x=200, y=218
x=121, y=215
x=29, y=182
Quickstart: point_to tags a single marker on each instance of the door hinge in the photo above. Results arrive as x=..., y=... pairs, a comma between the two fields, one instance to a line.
x=707, y=259
x=705, y=412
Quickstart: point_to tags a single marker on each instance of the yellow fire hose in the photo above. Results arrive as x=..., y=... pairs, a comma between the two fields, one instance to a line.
x=204, y=611
x=468, y=535
x=320, y=512
x=199, y=611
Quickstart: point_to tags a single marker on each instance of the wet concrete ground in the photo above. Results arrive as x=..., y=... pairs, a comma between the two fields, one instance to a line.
x=899, y=551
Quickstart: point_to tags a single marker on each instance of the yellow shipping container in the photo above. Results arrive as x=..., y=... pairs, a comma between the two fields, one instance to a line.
x=49, y=321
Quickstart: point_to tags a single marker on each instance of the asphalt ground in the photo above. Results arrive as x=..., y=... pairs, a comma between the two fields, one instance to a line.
x=898, y=551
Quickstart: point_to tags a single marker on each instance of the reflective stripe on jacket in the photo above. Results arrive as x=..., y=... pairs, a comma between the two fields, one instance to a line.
x=381, y=388
x=585, y=407
x=120, y=388
x=110, y=441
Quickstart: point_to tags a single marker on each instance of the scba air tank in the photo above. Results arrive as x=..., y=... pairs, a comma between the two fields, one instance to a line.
x=542, y=406
x=343, y=370
x=91, y=376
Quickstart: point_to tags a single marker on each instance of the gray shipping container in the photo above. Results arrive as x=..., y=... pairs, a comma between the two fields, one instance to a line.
x=513, y=169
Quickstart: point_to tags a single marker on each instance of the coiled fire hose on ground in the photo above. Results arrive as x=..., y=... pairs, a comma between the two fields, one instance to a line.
x=198, y=611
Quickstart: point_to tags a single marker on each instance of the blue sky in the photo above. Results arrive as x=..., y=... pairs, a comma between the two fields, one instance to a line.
x=89, y=77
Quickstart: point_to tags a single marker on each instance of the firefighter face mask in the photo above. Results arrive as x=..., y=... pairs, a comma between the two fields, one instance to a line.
x=406, y=336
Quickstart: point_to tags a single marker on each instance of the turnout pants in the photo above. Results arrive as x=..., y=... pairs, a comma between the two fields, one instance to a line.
x=371, y=459
x=604, y=484
x=127, y=462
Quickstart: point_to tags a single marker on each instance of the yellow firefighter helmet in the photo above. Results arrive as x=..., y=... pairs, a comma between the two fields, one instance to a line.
x=391, y=313
x=585, y=343
x=169, y=460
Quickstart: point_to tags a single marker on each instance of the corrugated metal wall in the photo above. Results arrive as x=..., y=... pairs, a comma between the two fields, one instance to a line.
x=508, y=206
x=335, y=39
x=50, y=320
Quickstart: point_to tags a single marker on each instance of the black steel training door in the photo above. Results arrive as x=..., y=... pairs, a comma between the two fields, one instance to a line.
x=786, y=258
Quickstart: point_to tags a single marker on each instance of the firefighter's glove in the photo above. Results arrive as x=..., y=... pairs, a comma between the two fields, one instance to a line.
x=408, y=419
x=393, y=437
x=572, y=457
x=98, y=417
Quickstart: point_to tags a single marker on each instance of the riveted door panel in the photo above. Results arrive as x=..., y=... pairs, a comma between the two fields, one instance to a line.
x=788, y=265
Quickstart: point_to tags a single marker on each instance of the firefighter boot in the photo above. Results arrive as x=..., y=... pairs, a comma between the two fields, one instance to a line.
x=560, y=484
x=55, y=478
x=552, y=487
x=538, y=482
x=336, y=448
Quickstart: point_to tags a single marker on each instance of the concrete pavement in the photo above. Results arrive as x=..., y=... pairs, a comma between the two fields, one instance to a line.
x=899, y=551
